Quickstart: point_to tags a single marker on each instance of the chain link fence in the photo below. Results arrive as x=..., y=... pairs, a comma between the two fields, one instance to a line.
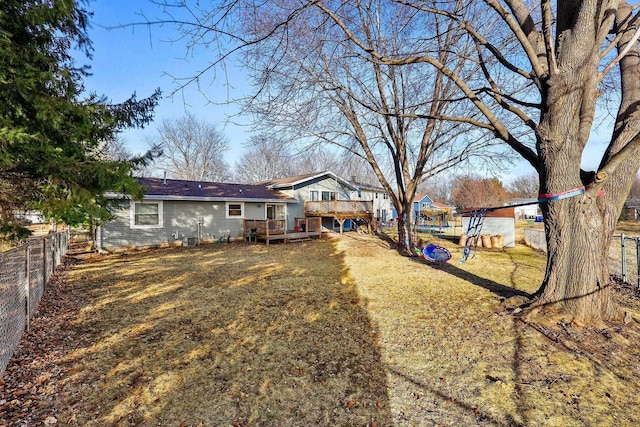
x=623, y=256
x=24, y=273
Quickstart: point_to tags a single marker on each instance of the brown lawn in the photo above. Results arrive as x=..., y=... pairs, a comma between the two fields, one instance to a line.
x=336, y=332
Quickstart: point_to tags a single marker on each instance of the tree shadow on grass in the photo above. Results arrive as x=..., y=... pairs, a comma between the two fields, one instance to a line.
x=450, y=267
x=260, y=335
x=492, y=286
x=469, y=410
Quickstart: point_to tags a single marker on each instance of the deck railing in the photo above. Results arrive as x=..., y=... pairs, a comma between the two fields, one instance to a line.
x=338, y=207
x=308, y=224
x=265, y=227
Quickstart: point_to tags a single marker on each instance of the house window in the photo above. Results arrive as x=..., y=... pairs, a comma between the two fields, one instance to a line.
x=359, y=194
x=385, y=196
x=146, y=215
x=378, y=214
x=328, y=195
x=235, y=210
x=314, y=195
x=376, y=195
x=384, y=214
x=275, y=211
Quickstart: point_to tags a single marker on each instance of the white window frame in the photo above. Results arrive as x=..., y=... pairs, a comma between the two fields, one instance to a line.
x=132, y=218
x=226, y=210
x=284, y=205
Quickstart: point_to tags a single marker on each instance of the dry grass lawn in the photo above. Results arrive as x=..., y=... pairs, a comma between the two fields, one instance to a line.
x=334, y=332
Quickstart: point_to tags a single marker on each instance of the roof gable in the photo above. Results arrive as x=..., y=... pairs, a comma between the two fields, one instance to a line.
x=301, y=179
x=419, y=198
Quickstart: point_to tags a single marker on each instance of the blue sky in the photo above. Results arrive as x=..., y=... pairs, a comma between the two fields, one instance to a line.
x=138, y=59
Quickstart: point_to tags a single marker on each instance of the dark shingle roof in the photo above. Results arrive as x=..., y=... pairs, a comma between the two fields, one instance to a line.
x=194, y=190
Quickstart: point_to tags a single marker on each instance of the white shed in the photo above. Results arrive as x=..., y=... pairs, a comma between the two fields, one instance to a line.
x=501, y=221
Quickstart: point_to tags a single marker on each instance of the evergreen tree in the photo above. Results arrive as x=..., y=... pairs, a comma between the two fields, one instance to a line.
x=50, y=133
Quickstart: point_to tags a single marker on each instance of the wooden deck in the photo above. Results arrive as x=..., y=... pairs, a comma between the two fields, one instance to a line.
x=271, y=229
x=339, y=208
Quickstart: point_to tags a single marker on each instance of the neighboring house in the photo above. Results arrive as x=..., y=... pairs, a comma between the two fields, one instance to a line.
x=529, y=211
x=631, y=210
x=321, y=194
x=430, y=213
x=421, y=202
x=30, y=217
x=382, y=206
x=177, y=212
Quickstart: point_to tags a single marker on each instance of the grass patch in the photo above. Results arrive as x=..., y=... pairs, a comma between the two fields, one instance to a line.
x=232, y=334
x=456, y=357
x=335, y=332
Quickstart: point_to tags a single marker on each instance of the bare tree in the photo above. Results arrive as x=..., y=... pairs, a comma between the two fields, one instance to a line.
x=264, y=159
x=439, y=188
x=115, y=149
x=533, y=72
x=192, y=149
x=544, y=111
x=267, y=157
x=321, y=88
x=524, y=186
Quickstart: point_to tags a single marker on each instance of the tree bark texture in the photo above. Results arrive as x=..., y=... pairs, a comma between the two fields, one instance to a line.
x=406, y=245
x=578, y=229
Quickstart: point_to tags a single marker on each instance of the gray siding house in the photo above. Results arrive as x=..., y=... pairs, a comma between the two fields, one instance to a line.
x=185, y=212
x=382, y=205
x=313, y=187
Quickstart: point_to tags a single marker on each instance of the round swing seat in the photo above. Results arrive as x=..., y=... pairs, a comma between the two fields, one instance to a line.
x=436, y=253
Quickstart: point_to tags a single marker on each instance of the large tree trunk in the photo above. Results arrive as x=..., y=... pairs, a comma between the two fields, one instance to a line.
x=406, y=245
x=577, y=276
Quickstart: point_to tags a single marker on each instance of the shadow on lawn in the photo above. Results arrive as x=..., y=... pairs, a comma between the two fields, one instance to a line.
x=232, y=335
x=471, y=410
x=450, y=267
x=490, y=285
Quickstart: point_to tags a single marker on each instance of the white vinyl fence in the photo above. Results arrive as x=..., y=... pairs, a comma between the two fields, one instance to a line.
x=24, y=273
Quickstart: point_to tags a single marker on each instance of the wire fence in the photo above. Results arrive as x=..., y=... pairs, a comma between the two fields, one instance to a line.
x=623, y=256
x=24, y=273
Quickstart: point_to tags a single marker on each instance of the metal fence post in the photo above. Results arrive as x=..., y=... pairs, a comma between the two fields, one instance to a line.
x=638, y=259
x=27, y=299
x=44, y=261
x=623, y=245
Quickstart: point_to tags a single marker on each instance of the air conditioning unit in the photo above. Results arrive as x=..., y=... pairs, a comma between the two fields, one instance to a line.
x=191, y=241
